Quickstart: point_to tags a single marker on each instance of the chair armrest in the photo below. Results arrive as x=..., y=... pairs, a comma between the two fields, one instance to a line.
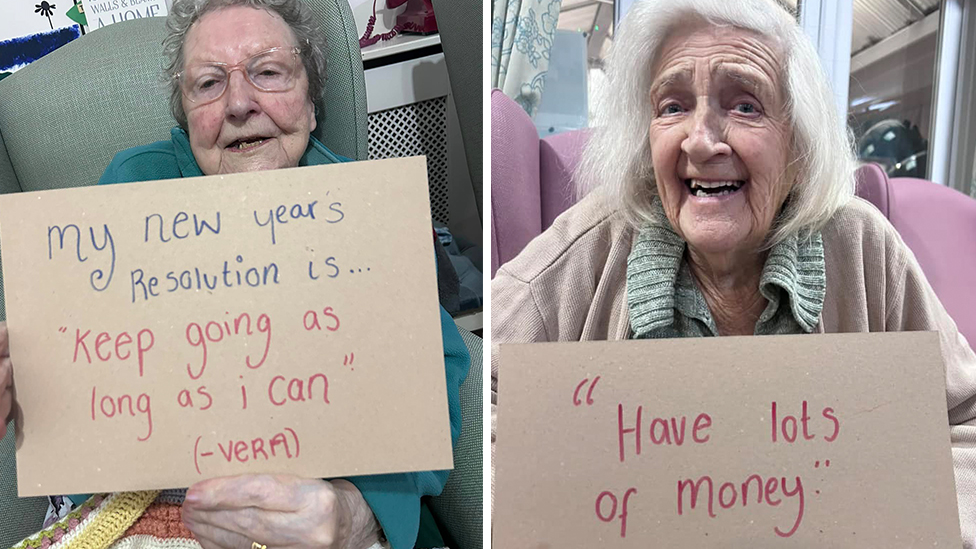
x=459, y=507
x=559, y=155
x=515, y=196
x=19, y=517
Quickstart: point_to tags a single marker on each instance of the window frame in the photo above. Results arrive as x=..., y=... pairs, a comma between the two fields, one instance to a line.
x=952, y=139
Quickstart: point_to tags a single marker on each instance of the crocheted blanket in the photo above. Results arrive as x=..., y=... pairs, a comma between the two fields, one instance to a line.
x=124, y=520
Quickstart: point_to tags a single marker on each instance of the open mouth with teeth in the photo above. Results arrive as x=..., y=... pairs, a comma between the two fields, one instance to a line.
x=246, y=143
x=702, y=189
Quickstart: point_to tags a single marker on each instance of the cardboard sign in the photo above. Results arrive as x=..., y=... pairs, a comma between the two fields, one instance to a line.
x=284, y=321
x=792, y=441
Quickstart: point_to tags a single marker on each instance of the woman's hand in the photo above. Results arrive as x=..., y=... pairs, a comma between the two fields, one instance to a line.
x=6, y=381
x=280, y=511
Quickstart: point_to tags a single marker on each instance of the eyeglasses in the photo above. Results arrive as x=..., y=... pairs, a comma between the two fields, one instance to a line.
x=274, y=70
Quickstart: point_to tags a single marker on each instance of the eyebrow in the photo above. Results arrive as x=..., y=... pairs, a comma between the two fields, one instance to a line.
x=670, y=78
x=752, y=81
x=747, y=79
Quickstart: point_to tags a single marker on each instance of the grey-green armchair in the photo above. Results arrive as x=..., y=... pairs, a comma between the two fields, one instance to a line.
x=120, y=101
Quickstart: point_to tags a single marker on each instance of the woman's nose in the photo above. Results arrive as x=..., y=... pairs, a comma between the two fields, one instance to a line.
x=706, y=136
x=241, y=96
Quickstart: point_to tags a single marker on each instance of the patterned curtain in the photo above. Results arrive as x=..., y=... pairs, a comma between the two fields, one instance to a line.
x=521, y=37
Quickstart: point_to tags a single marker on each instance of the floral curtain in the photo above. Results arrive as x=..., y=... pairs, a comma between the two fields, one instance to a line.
x=521, y=38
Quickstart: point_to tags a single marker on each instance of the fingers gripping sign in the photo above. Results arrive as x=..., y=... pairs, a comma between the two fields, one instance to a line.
x=6, y=382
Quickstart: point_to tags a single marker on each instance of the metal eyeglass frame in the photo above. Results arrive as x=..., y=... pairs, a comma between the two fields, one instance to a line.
x=241, y=66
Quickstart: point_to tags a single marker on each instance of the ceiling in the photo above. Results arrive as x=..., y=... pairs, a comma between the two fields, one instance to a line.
x=874, y=20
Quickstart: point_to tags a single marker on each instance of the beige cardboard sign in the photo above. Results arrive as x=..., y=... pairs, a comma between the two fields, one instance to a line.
x=166, y=332
x=785, y=441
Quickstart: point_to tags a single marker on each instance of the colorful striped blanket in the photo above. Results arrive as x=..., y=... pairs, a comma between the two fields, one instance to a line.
x=124, y=520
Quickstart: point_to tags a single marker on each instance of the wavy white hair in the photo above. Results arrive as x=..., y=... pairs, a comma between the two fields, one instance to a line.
x=617, y=157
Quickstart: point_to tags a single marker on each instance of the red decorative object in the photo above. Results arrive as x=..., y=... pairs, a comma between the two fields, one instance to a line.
x=417, y=18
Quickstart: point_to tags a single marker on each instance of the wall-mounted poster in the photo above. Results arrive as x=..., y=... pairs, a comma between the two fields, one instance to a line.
x=30, y=29
x=105, y=12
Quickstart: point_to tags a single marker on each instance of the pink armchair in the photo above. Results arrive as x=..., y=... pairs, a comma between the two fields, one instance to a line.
x=531, y=178
x=939, y=225
x=531, y=184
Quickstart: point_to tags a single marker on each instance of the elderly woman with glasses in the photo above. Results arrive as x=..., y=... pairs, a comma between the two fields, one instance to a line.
x=246, y=76
x=719, y=200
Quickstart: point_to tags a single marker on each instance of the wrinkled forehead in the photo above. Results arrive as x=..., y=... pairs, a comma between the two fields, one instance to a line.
x=234, y=33
x=726, y=53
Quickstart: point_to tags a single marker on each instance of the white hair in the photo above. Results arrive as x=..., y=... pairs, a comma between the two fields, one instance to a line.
x=617, y=157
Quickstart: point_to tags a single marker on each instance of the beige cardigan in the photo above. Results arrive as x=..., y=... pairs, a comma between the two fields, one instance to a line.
x=569, y=284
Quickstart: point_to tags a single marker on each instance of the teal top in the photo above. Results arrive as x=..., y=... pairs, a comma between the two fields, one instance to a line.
x=664, y=300
x=172, y=159
x=394, y=498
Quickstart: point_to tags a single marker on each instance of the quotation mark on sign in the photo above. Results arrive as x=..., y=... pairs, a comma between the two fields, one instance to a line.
x=589, y=392
x=63, y=329
x=816, y=465
x=347, y=360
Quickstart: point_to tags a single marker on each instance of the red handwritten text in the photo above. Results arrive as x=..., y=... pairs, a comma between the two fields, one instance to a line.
x=729, y=495
x=612, y=514
x=295, y=390
x=280, y=445
x=242, y=451
x=661, y=431
x=185, y=399
x=144, y=342
x=111, y=407
x=311, y=320
x=215, y=332
x=790, y=428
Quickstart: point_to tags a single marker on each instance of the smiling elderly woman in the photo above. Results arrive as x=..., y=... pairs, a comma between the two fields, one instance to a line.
x=719, y=200
x=245, y=79
x=246, y=76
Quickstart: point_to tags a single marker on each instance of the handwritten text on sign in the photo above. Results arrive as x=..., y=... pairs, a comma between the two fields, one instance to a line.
x=707, y=442
x=276, y=321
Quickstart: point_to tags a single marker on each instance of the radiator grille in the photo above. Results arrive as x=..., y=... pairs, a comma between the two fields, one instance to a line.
x=412, y=130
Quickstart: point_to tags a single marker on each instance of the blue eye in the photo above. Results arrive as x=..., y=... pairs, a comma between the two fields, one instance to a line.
x=672, y=108
x=746, y=108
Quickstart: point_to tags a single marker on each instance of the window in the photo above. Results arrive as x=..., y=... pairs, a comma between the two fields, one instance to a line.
x=894, y=49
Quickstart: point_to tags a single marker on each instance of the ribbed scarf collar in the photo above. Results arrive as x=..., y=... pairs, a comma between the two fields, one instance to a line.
x=660, y=284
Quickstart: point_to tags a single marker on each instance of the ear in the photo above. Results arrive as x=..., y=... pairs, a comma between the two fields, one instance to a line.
x=312, y=122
